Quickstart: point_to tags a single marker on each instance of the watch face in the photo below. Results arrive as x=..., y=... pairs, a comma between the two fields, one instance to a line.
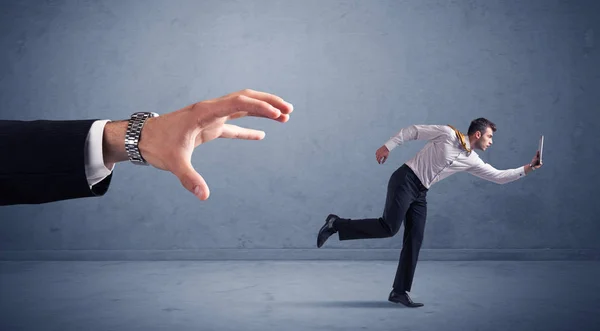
x=142, y=113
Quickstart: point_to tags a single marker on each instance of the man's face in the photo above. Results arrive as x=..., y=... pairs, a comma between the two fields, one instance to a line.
x=484, y=140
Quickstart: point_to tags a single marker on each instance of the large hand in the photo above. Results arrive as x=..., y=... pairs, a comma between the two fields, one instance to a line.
x=382, y=154
x=168, y=141
x=536, y=161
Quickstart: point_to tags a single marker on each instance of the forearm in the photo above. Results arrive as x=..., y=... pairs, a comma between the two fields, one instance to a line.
x=44, y=154
x=489, y=173
x=405, y=134
x=113, y=143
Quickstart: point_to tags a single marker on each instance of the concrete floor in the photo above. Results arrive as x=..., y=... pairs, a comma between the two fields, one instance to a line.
x=297, y=295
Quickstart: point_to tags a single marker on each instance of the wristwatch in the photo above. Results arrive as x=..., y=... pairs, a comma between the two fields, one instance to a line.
x=134, y=134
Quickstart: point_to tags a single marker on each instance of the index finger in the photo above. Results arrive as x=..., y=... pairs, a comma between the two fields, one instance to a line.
x=241, y=105
x=274, y=100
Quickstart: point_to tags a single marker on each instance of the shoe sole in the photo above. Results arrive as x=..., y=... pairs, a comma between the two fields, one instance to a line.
x=321, y=229
x=405, y=305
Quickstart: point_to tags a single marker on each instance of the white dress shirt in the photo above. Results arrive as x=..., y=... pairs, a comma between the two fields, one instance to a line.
x=95, y=170
x=444, y=155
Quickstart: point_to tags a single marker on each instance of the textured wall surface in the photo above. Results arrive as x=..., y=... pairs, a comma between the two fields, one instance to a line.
x=356, y=72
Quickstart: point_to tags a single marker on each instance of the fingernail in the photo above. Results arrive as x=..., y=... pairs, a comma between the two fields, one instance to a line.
x=197, y=191
x=291, y=106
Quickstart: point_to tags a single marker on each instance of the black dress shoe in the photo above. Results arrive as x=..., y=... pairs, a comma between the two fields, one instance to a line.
x=403, y=298
x=326, y=230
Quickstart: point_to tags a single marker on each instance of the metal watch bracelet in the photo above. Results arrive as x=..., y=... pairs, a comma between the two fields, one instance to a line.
x=134, y=134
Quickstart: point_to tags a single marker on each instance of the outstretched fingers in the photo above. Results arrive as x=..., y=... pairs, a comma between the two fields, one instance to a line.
x=255, y=103
x=236, y=132
x=241, y=106
x=273, y=100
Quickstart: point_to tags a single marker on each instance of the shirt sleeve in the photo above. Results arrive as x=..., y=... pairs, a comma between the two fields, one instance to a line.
x=488, y=172
x=95, y=170
x=417, y=132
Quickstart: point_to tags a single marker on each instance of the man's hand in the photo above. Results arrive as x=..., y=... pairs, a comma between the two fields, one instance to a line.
x=536, y=161
x=168, y=141
x=382, y=154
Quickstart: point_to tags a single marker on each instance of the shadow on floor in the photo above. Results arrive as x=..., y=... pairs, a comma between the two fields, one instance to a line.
x=345, y=304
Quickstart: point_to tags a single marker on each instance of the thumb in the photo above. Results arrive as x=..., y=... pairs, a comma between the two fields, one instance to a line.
x=191, y=180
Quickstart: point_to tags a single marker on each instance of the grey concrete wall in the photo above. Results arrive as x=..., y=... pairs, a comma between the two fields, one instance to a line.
x=356, y=72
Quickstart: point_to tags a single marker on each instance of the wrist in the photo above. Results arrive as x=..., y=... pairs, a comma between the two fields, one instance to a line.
x=134, y=140
x=113, y=148
x=528, y=171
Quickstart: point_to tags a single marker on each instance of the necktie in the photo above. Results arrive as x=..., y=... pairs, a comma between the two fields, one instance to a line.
x=461, y=137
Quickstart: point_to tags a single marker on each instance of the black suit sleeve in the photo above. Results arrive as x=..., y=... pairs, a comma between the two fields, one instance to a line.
x=43, y=161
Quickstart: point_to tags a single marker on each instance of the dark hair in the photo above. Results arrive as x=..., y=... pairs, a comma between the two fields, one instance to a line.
x=481, y=124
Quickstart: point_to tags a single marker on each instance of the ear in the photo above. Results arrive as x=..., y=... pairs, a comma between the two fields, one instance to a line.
x=478, y=134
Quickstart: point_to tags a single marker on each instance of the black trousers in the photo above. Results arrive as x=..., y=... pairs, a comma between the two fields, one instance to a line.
x=406, y=201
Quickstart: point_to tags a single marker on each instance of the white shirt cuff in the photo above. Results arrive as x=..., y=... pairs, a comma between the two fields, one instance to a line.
x=390, y=144
x=95, y=170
